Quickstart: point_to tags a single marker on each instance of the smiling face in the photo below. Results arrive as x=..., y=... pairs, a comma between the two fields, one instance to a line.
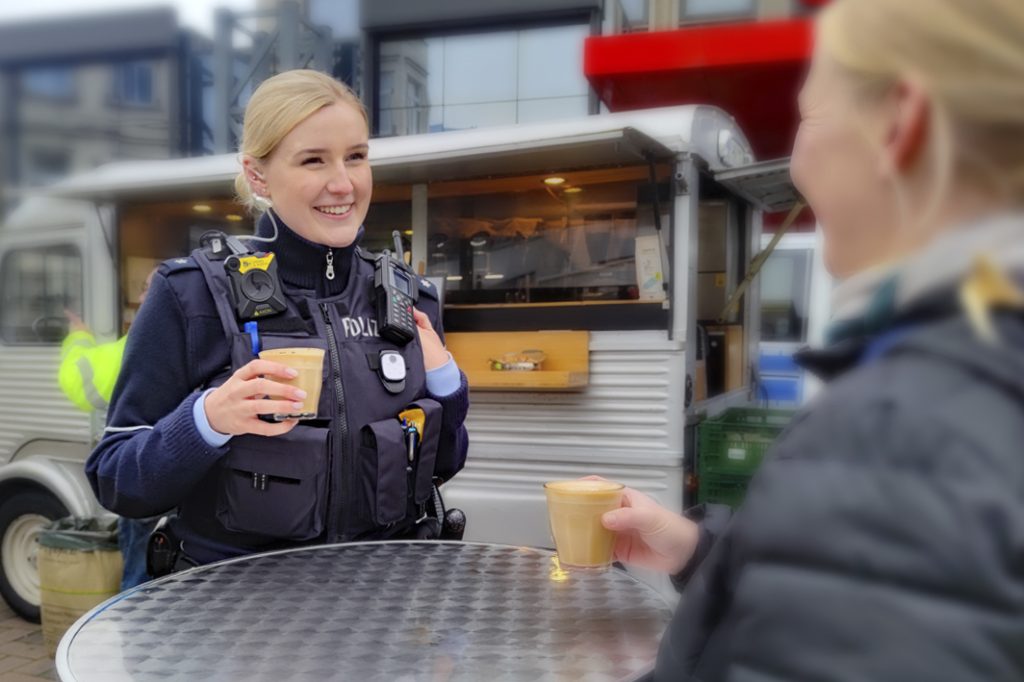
x=318, y=177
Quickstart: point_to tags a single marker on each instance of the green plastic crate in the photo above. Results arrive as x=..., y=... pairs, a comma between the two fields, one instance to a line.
x=735, y=442
x=722, y=489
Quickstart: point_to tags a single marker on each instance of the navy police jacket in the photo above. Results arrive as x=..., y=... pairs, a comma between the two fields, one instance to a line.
x=344, y=476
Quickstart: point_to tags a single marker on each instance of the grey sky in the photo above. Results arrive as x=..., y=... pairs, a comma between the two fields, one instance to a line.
x=194, y=14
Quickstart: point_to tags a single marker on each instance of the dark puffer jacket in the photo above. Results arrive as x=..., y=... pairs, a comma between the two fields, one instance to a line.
x=883, y=539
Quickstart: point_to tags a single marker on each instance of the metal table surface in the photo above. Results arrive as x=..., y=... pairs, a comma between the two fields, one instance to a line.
x=394, y=611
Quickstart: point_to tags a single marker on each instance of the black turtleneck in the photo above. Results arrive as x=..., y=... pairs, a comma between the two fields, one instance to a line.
x=302, y=263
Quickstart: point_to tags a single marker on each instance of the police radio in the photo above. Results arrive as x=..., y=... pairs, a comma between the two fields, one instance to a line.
x=255, y=288
x=396, y=290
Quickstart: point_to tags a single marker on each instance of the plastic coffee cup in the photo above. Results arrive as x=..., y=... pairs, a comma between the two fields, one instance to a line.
x=575, y=509
x=309, y=363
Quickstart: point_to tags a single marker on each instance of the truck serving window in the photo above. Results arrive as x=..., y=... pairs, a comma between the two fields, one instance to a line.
x=578, y=237
x=39, y=284
x=391, y=210
x=151, y=232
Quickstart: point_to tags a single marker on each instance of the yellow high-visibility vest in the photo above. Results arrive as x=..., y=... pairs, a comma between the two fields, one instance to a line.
x=88, y=371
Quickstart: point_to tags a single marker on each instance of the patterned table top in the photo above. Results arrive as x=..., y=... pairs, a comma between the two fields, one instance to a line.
x=395, y=612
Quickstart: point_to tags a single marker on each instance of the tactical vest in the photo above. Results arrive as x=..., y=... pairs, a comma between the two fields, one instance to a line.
x=345, y=475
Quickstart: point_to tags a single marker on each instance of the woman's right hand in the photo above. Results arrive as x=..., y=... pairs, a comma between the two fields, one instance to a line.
x=650, y=536
x=233, y=407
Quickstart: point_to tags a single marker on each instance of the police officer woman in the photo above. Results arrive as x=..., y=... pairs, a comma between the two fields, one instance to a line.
x=187, y=429
x=883, y=537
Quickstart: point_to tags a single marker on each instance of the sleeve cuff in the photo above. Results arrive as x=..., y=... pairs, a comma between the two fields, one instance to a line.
x=445, y=380
x=212, y=438
x=704, y=541
x=712, y=520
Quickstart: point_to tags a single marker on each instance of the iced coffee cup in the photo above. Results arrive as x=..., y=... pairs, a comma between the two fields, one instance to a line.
x=309, y=363
x=575, y=509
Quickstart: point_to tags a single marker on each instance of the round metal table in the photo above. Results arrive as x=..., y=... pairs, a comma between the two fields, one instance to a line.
x=389, y=611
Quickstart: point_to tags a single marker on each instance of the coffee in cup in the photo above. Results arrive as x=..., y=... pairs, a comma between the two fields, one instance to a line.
x=309, y=363
x=575, y=509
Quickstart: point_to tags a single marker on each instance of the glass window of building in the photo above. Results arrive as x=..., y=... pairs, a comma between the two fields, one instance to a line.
x=785, y=294
x=479, y=68
x=416, y=96
x=455, y=82
x=573, y=237
x=701, y=9
x=549, y=72
x=52, y=82
x=39, y=284
x=133, y=83
x=634, y=15
x=386, y=124
x=46, y=166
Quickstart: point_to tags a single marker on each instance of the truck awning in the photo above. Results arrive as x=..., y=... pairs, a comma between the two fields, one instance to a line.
x=598, y=141
x=625, y=146
x=766, y=185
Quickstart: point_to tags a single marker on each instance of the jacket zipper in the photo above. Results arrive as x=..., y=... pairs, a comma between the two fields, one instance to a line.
x=329, y=272
x=339, y=427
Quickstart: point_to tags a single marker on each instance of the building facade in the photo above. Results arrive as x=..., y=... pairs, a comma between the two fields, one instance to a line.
x=429, y=67
x=80, y=91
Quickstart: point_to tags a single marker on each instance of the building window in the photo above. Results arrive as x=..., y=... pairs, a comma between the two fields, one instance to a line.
x=481, y=79
x=416, y=97
x=39, y=284
x=785, y=296
x=53, y=82
x=133, y=83
x=387, y=86
x=46, y=166
x=634, y=15
x=710, y=9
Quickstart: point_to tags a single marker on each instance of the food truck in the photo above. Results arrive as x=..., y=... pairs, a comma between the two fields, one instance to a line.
x=585, y=265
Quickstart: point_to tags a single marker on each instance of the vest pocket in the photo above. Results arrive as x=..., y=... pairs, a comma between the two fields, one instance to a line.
x=275, y=487
x=391, y=484
x=383, y=458
x=426, y=455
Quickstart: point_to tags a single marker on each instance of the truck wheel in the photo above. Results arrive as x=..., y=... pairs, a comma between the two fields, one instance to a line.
x=22, y=517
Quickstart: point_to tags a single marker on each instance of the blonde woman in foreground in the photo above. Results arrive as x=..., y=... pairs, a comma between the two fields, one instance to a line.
x=883, y=538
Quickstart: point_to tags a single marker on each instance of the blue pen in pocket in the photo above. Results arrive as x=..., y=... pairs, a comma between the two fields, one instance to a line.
x=254, y=336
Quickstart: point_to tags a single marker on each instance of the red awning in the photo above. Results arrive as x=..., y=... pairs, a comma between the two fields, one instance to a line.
x=751, y=70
